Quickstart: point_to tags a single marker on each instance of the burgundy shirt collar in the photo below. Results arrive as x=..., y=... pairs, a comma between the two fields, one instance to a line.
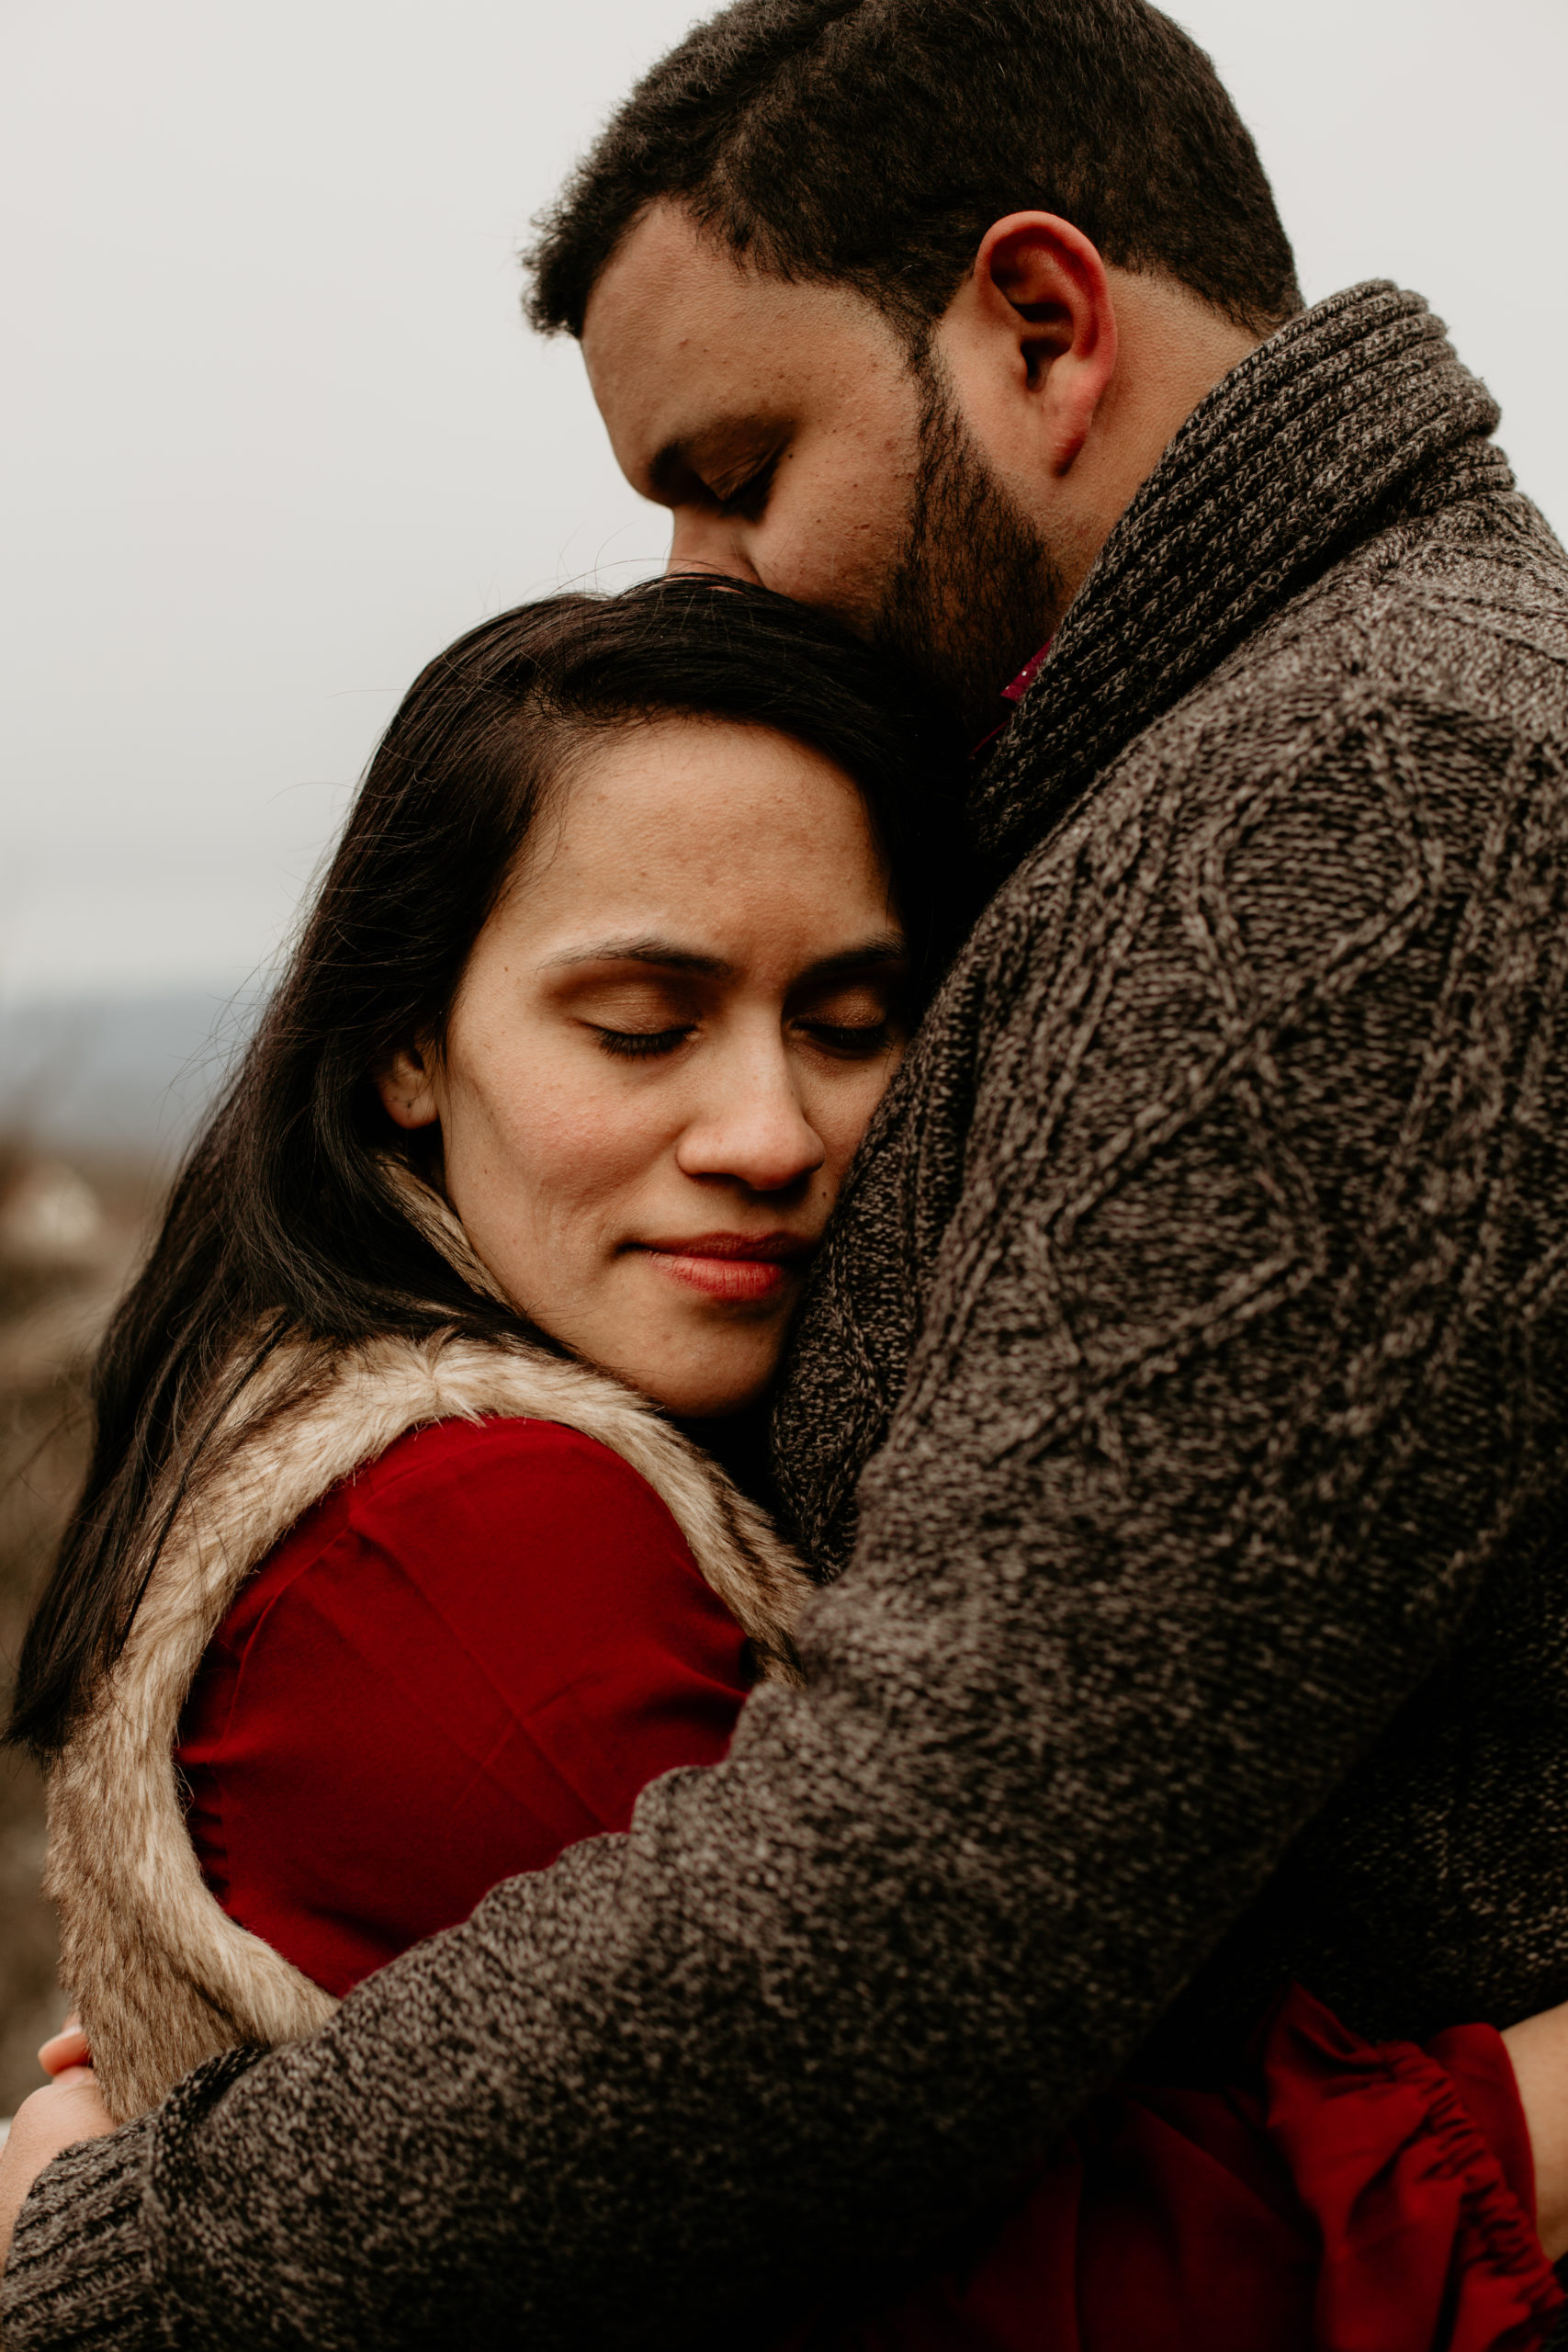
x=1014, y=692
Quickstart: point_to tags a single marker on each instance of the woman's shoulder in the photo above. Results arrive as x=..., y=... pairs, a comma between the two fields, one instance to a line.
x=499, y=1452
x=466, y=1468
x=502, y=1522
x=483, y=1645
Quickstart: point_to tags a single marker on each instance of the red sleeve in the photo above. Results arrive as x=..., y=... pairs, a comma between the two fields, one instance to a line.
x=1415, y=2169
x=1338, y=2196
x=473, y=1654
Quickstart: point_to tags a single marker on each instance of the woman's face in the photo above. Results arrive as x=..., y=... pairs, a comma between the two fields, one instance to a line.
x=664, y=1050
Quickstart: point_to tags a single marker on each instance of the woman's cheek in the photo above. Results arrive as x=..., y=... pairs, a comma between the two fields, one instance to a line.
x=849, y=1111
x=582, y=1142
x=584, y=1160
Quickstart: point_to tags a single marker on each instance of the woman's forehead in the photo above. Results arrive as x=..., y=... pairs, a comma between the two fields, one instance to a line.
x=719, y=796
x=699, y=839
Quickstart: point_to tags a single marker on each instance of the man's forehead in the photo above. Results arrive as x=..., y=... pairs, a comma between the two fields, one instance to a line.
x=684, y=337
x=667, y=246
x=670, y=291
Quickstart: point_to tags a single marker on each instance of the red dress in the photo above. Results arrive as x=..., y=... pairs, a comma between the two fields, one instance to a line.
x=482, y=1649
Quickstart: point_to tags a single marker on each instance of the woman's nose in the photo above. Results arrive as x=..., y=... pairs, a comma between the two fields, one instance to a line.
x=754, y=1131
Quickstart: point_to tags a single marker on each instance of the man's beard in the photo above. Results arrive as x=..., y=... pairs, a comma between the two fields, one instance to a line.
x=974, y=592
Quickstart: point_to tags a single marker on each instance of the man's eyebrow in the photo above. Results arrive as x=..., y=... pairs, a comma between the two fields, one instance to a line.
x=663, y=954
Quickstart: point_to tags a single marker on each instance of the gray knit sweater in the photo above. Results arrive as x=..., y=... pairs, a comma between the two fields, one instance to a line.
x=1201, y=1304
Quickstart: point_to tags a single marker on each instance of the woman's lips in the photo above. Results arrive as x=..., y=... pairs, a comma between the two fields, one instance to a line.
x=755, y=1267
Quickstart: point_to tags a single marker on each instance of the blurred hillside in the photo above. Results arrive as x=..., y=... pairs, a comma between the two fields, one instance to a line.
x=69, y=1234
x=98, y=1099
x=122, y=1077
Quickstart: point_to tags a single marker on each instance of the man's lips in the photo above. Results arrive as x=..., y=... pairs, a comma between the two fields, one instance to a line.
x=754, y=1267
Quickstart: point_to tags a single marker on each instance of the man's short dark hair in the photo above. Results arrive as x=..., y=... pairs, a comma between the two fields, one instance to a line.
x=871, y=143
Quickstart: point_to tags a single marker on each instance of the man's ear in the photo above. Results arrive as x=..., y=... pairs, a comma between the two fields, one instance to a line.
x=406, y=1084
x=1038, y=281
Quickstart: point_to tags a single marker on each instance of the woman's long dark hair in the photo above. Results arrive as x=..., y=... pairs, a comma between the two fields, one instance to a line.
x=280, y=1221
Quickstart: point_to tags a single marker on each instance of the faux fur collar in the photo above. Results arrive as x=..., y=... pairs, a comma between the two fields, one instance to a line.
x=162, y=1977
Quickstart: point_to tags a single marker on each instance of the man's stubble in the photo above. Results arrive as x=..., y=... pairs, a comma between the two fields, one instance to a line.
x=971, y=595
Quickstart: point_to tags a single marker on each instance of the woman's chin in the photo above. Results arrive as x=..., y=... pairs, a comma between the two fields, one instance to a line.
x=696, y=1358
x=722, y=1380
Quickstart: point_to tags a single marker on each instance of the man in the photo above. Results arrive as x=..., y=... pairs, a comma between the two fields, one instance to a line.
x=1192, y=1343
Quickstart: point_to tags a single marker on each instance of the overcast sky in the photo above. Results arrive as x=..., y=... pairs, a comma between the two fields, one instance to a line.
x=278, y=432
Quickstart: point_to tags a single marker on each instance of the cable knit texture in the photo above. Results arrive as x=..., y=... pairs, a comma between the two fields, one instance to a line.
x=1199, y=1306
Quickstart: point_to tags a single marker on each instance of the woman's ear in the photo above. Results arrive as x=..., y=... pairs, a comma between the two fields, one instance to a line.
x=406, y=1084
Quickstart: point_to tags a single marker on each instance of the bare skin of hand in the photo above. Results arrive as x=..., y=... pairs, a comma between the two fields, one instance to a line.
x=1538, y=2053
x=49, y=2122
x=66, y=2048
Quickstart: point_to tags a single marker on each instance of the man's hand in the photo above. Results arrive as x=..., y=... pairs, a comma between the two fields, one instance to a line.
x=46, y=2124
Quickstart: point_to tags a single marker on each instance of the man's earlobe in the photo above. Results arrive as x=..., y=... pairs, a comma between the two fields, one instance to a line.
x=405, y=1083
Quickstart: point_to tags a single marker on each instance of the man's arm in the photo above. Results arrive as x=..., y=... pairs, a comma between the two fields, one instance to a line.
x=1201, y=1457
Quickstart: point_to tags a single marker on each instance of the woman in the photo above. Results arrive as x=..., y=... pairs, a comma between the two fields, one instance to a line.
x=398, y=1569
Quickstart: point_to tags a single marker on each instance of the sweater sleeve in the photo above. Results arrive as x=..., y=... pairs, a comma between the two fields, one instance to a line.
x=1337, y=2195
x=1209, y=1427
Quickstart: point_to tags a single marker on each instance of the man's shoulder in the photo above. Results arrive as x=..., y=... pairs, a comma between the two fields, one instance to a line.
x=1430, y=661
x=1464, y=612
x=1334, y=793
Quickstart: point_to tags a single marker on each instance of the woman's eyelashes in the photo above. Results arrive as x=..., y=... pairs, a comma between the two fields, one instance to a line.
x=850, y=1040
x=842, y=1040
x=650, y=1019
x=640, y=1045
x=853, y=1023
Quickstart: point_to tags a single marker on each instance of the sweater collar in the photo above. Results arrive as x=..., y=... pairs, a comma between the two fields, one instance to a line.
x=1309, y=445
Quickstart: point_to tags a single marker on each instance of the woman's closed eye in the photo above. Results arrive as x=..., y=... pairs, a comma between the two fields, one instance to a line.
x=851, y=1040
x=643, y=1017
x=637, y=1015
x=855, y=1023
x=640, y=1045
x=845, y=1040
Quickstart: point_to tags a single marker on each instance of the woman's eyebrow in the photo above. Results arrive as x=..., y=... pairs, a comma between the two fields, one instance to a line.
x=663, y=954
x=887, y=947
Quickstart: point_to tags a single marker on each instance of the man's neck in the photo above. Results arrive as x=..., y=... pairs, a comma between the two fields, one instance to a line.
x=1174, y=348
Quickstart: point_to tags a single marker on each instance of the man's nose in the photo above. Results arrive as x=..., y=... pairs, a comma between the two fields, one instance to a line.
x=755, y=1130
x=706, y=542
